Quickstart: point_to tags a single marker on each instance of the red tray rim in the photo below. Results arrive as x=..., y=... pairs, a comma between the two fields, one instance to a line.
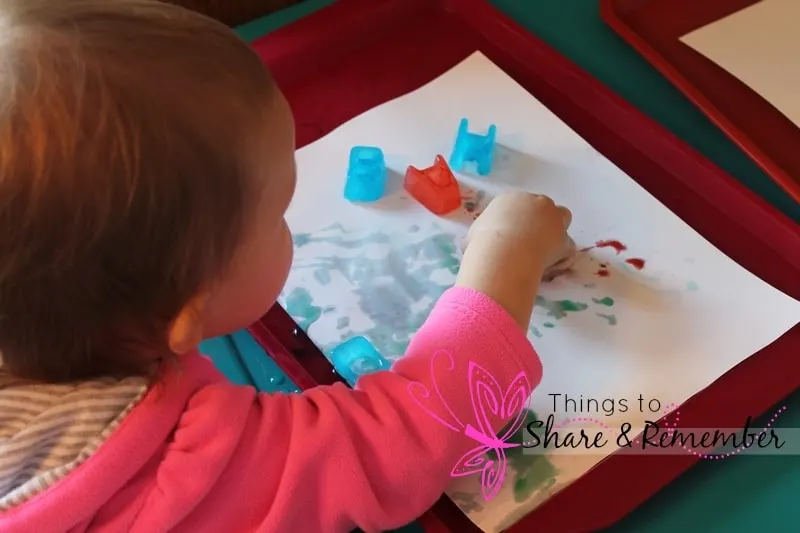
x=611, y=16
x=287, y=343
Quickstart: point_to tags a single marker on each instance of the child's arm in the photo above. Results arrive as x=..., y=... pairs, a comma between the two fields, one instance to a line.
x=333, y=459
x=374, y=458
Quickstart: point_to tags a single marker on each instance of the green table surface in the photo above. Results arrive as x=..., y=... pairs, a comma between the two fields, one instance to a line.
x=744, y=493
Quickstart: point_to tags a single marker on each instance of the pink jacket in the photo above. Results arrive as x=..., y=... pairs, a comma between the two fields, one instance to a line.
x=200, y=454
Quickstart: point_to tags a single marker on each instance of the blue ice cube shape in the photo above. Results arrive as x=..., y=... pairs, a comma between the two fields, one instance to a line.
x=366, y=175
x=473, y=148
x=355, y=358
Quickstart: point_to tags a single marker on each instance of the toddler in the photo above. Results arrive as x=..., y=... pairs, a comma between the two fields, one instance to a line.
x=146, y=163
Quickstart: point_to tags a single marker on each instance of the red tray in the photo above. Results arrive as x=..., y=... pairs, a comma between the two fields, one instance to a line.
x=653, y=28
x=356, y=54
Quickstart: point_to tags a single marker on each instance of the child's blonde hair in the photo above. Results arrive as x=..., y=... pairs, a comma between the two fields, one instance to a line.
x=122, y=189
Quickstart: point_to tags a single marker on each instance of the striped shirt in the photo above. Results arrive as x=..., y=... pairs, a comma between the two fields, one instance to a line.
x=46, y=430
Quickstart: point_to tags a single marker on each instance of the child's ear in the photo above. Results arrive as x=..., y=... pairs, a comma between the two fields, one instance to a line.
x=186, y=331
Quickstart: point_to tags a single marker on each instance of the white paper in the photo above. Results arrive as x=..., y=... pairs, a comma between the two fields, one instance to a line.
x=759, y=46
x=686, y=318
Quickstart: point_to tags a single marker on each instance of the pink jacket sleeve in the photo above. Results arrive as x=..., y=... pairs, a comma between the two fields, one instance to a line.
x=333, y=459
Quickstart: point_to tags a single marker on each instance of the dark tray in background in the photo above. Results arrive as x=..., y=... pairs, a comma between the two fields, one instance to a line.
x=654, y=28
x=357, y=54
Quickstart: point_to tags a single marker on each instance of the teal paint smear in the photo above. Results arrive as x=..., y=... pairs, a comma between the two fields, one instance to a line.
x=691, y=286
x=303, y=239
x=549, y=325
x=389, y=289
x=558, y=309
x=533, y=330
x=612, y=320
x=608, y=302
x=301, y=308
x=389, y=304
x=322, y=276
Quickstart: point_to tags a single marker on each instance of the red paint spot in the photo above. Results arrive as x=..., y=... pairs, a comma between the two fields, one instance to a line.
x=602, y=273
x=616, y=245
x=636, y=263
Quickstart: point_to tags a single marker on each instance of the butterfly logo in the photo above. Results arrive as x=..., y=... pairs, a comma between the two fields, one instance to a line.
x=489, y=402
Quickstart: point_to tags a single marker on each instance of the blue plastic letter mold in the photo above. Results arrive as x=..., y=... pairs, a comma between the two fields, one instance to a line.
x=366, y=175
x=356, y=357
x=473, y=147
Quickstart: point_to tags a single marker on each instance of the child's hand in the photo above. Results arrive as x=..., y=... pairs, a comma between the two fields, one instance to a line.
x=531, y=222
x=517, y=240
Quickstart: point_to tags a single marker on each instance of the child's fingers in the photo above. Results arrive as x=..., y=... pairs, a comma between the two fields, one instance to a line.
x=565, y=262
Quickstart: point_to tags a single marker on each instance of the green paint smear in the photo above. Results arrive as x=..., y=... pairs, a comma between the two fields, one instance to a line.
x=549, y=325
x=612, y=320
x=608, y=302
x=532, y=473
x=558, y=309
x=691, y=286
